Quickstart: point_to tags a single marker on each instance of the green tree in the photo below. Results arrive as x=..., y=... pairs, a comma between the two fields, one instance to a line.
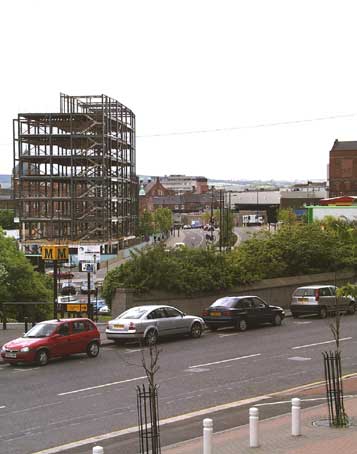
x=163, y=220
x=146, y=223
x=287, y=216
x=19, y=281
x=7, y=219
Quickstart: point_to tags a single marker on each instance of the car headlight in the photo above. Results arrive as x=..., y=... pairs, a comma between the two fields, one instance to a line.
x=25, y=349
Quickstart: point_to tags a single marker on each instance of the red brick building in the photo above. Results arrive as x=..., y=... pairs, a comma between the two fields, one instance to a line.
x=343, y=168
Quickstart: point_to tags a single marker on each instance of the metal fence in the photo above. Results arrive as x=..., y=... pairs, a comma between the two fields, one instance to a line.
x=148, y=419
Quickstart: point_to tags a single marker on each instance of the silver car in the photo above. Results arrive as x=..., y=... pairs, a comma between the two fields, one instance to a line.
x=148, y=323
x=320, y=300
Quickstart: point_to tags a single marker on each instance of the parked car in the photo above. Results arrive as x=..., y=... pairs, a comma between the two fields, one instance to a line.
x=179, y=245
x=68, y=288
x=51, y=339
x=148, y=323
x=320, y=300
x=100, y=306
x=186, y=226
x=241, y=312
x=84, y=287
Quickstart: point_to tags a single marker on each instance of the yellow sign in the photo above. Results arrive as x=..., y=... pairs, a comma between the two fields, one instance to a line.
x=83, y=308
x=55, y=253
x=73, y=308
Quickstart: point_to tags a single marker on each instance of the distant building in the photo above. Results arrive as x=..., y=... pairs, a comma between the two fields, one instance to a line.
x=299, y=195
x=183, y=183
x=149, y=191
x=343, y=168
x=264, y=204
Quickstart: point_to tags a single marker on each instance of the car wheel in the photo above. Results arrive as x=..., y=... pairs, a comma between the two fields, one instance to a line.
x=277, y=320
x=323, y=312
x=151, y=337
x=93, y=349
x=351, y=309
x=196, y=330
x=241, y=325
x=42, y=357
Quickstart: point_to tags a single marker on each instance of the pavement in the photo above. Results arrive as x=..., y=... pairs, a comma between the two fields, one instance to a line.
x=275, y=433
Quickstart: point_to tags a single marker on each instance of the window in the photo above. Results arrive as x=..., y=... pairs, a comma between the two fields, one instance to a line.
x=325, y=291
x=172, y=312
x=225, y=302
x=258, y=304
x=157, y=313
x=64, y=329
x=244, y=303
x=78, y=327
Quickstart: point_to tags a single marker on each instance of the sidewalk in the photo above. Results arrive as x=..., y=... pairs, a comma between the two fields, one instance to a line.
x=275, y=433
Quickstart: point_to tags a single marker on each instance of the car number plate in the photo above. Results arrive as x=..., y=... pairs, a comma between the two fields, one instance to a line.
x=215, y=314
x=10, y=355
x=119, y=326
x=303, y=300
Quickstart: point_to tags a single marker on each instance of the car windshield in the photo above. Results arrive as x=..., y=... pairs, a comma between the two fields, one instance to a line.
x=41, y=330
x=305, y=292
x=134, y=313
x=226, y=302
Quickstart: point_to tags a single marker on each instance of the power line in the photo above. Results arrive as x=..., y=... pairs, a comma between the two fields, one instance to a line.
x=255, y=126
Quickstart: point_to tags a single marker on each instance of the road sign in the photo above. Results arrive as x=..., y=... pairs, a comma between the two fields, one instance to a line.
x=53, y=252
x=89, y=267
x=89, y=253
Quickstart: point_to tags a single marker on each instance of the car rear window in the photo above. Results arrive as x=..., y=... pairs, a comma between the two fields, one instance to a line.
x=133, y=313
x=305, y=292
x=225, y=302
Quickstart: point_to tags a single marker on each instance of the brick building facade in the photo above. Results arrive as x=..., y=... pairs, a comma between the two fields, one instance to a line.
x=343, y=168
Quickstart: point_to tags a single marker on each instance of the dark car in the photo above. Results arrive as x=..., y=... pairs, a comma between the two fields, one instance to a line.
x=68, y=289
x=240, y=312
x=51, y=339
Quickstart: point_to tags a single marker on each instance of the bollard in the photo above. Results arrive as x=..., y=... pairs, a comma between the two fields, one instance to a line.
x=253, y=427
x=98, y=450
x=207, y=435
x=295, y=417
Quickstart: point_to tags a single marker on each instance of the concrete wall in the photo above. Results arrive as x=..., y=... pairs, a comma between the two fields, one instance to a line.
x=274, y=291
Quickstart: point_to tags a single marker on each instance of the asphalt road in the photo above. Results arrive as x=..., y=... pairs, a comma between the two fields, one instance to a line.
x=78, y=397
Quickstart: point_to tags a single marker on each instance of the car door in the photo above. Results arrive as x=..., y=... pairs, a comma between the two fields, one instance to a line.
x=262, y=311
x=159, y=318
x=246, y=310
x=176, y=322
x=80, y=336
x=61, y=343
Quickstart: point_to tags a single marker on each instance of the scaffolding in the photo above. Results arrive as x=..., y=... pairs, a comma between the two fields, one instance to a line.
x=75, y=172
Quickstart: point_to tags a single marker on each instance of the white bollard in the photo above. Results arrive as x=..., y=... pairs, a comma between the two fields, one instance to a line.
x=295, y=417
x=253, y=427
x=98, y=450
x=207, y=435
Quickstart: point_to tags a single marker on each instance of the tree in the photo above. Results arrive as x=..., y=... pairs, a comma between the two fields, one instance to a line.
x=287, y=216
x=146, y=223
x=163, y=220
x=7, y=219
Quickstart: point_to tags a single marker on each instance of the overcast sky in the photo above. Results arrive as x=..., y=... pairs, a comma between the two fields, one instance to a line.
x=191, y=65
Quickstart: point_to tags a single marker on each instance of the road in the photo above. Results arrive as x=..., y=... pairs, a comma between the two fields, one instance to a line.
x=78, y=397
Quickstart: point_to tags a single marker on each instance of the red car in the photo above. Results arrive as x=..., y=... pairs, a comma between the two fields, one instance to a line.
x=53, y=339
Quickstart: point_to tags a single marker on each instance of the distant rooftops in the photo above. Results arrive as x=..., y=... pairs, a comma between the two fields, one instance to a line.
x=345, y=145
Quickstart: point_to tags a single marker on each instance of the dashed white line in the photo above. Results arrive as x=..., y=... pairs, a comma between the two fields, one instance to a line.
x=225, y=360
x=101, y=386
x=2, y=406
x=320, y=343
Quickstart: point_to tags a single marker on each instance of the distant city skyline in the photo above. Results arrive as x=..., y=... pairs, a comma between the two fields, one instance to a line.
x=235, y=90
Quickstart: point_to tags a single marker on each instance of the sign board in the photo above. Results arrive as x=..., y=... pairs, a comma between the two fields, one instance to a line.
x=89, y=267
x=77, y=307
x=89, y=253
x=60, y=253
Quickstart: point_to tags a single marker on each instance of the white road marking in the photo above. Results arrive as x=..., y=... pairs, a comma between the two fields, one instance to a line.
x=26, y=370
x=225, y=360
x=320, y=343
x=299, y=358
x=132, y=351
x=2, y=406
x=226, y=335
x=100, y=386
x=129, y=430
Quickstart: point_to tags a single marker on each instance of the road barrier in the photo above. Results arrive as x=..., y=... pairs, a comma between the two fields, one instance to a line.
x=98, y=450
x=295, y=417
x=207, y=435
x=253, y=427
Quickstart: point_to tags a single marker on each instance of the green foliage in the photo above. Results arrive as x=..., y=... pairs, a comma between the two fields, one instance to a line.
x=18, y=280
x=287, y=216
x=294, y=249
x=146, y=223
x=7, y=219
x=163, y=220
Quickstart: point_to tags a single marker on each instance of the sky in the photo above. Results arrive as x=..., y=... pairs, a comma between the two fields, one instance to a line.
x=226, y=89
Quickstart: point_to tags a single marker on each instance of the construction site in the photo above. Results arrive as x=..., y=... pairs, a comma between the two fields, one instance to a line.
x=74, y=175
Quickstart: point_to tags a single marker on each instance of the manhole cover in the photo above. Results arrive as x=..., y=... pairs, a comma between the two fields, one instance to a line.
x=324, y=422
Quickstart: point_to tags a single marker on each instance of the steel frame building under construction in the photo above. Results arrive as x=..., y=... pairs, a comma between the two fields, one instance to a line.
x=74, y=173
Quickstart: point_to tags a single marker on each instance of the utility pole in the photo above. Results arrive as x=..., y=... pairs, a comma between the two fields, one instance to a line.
x=55, y=289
